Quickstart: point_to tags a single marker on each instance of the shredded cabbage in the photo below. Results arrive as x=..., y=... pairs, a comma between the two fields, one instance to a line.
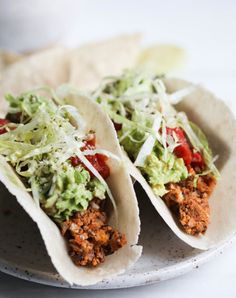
x=148, y=145
x=177, y=96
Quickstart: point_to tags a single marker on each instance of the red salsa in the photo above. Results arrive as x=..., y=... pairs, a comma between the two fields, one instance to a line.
x=97, y=160
x=3, y=122
x=184, y=150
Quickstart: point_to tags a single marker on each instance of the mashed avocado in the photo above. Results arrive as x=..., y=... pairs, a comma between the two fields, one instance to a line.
x=133, y=143
x=160, y=170
x=136, y=136
x=72, y=189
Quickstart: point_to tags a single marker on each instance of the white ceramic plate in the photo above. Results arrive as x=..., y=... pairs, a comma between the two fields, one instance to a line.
x=22, y=252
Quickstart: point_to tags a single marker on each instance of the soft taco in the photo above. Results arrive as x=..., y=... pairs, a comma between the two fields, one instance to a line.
x=168, y=153
x=64, y=166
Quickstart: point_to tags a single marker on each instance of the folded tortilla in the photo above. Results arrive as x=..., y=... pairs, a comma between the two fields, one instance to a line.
x=91, y=62
x=219, y=124
x=121, y=187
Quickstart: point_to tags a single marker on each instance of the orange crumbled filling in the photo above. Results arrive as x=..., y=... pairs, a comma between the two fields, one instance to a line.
x=89, y=236
x=191, y=203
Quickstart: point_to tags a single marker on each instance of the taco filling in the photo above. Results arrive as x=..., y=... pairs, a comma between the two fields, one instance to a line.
x=61, y=166
x=171, y=152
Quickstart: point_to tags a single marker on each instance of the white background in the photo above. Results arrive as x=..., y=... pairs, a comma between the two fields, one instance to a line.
x=206, y=29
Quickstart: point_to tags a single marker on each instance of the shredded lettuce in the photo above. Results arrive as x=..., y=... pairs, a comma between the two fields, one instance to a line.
x=160, y=169
x=28, y=104
x=207, y=153
x=148, y=145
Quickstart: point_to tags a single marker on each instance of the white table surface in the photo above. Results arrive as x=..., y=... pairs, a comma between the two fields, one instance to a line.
x=207, y=30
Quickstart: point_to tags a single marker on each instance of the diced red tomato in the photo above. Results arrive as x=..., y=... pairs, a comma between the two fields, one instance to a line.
x=98, y=161
x=75, y=161
x=197, y=160
x=184, y=150
x=179, y=133
x=90, y=142
x=3, y=122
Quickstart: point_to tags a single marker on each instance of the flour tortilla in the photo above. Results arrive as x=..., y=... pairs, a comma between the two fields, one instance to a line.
x=90, y=63
x=84, y=67
x=48, y=67
x=8, y=58
x=122, y=190
x=219, y=125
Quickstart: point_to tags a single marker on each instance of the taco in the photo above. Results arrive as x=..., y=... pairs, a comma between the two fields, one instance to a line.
x=64, y=166
x=169, y=154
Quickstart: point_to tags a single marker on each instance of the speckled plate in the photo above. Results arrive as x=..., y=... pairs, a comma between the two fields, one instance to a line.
x=22, y=252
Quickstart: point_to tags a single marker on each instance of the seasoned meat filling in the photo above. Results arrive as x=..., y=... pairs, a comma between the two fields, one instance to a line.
x=89, y=236
x=189, y=202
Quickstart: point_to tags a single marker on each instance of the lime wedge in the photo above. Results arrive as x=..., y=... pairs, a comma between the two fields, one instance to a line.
x=162, y=58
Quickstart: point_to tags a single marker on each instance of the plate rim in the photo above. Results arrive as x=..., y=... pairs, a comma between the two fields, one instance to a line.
x=138, y=279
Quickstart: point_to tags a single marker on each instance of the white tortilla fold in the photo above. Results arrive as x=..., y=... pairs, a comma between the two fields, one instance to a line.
x=48, y=67
x=124, y=195
x=8, y=58
x=91, y=62
x=219, y=124
x=84, y=67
